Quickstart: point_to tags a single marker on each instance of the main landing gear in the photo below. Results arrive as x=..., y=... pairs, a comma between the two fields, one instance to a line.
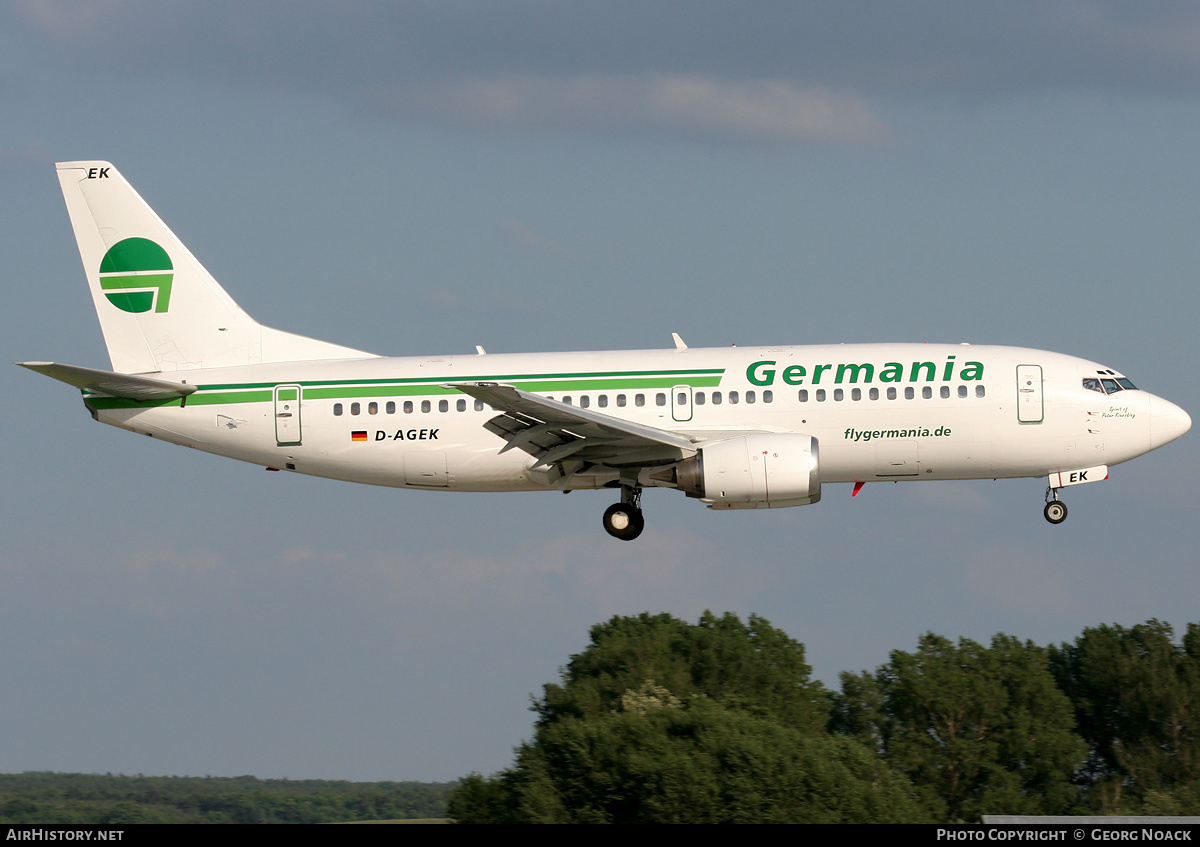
x=624, y=520
x=1056, y=510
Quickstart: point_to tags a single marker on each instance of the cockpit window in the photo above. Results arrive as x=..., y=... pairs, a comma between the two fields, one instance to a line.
x=1108, y=386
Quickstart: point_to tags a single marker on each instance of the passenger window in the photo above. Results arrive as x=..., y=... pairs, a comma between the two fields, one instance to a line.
x=425, y=406
x=479, y=405
x=750, y=397
x=372, y=408
x=768, y=396
x=699, y=398
x=585, y=401
x=979, y=392
x=337, y=409
x=838, y=394
x=803, y=395
x=602, y=401
x=891, y=394
x=621, y=401
x=855, y=393
x=567, y=400
x=909, y=393
x=874, y=394
x=443, y=405
x=945, y=392
x=733, y=397
x=681, y=398
x=355, y=408
x=820, y=395
x=962, y=391
x=461, y=405
x=660, y=399
x=927, y=393
x=408, y=407
x=391, y=407
x=716, y=398
x=639, y=400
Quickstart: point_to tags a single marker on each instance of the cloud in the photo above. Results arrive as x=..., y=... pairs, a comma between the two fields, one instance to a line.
x=916, y=48
x=788, y=74
x=768, y=110
x=668, y=569
x=692, y=106
x=516, y=232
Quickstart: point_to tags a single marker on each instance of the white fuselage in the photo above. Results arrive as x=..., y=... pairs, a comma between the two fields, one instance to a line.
x=878, y=411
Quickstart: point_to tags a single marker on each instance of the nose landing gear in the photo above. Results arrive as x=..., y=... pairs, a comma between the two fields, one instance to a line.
x=624, y=520
x=1056, y=510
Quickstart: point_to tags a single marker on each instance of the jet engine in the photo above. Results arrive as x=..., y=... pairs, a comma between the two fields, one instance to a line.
x=758, y=471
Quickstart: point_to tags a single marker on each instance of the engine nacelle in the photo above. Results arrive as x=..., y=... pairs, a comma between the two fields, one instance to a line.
x=759, y=471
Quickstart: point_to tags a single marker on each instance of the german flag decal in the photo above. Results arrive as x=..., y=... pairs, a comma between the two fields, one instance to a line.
x=358, y=435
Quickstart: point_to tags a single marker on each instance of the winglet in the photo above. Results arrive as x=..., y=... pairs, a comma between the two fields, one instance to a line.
x=679, y=345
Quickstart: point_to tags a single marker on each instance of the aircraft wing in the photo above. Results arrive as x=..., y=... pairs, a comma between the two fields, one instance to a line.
x=111, y=384
x=553, y=432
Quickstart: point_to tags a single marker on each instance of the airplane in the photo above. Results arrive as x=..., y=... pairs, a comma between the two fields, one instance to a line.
x=735, y=428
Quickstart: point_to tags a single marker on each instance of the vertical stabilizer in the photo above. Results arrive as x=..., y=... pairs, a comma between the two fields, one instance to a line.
x=159, y=309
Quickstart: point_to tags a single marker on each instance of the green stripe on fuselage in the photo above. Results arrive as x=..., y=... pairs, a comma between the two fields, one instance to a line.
x=425, y=380
x=208, y=395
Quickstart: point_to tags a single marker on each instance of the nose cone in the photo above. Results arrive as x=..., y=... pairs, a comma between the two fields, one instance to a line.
x=1167, y=422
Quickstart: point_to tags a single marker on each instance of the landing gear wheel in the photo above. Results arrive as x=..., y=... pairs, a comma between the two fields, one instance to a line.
x=624, y=521
x=1055, y=511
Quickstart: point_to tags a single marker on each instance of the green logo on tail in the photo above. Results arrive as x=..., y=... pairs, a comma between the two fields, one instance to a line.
x=135, y=275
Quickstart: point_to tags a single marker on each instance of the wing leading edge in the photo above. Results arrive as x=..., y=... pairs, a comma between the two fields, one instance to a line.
x=554, y=432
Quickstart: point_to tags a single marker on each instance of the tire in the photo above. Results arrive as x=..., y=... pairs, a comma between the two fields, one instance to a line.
x=623, y=521
x=1055, y=512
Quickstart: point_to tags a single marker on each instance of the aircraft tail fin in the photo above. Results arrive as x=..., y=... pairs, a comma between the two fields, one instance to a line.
x=159, y=309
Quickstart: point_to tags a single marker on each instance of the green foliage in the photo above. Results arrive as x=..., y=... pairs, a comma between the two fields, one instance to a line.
x=53, y=798
x=1136, y=696
x=748, y=666
x=658, y=720
x=663, y=721
x=700, y=763
x=978, y=729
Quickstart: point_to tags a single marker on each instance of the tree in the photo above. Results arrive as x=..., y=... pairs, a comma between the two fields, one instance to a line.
x=691, y=763
x=978, y=729
x=663, y=721
x=1136, y=696
x=748, y=666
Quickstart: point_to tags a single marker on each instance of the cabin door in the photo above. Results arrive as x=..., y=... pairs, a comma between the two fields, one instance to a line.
x=287, y=414
x=681, y=403
x=1030, y=409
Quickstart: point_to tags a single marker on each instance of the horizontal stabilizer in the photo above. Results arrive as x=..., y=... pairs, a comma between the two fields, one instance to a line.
x=111, y=384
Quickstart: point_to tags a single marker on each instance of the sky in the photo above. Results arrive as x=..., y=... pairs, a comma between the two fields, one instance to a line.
x=418, y=178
